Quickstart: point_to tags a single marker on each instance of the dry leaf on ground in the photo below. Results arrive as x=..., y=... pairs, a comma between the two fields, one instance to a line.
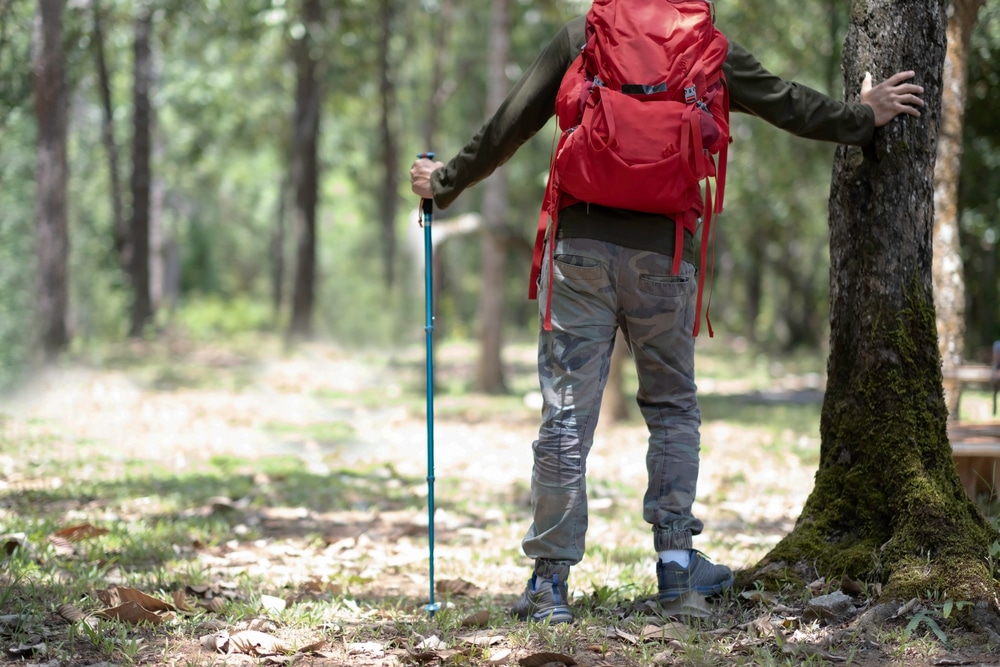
x=478, y=620
x=131, y=612
x=482, y=639
x=80, y=532
x=252, y=642
x=119, y=594
x=458, y=587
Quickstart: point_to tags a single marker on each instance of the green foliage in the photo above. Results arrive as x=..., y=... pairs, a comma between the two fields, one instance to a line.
x=224, y=93
x=17, y=270
x=211, y=317
x=980, y=181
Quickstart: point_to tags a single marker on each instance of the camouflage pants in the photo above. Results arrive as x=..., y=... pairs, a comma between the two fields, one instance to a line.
x=597, y=288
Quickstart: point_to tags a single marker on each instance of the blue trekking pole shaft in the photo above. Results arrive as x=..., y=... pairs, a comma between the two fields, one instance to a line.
x=427, y=211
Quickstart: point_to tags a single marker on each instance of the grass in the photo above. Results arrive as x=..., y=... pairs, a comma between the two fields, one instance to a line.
x=260, y=540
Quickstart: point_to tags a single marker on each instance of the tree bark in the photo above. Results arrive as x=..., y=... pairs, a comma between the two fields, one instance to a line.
x=304, y=172
x=949, y=282
x=119, y=228
x=141, y=313
x=52, y=235
x=490, y=316
x=389, y=201
x=439, y=90
x=887, y=503
x=278, y=251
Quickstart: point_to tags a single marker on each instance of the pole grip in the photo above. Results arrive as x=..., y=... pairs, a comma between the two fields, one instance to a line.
x=426, y=205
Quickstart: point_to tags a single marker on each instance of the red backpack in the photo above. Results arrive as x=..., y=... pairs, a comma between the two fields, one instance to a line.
x=643, y=111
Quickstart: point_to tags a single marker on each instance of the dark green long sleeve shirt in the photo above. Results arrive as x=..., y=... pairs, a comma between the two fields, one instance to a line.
x=529, y=105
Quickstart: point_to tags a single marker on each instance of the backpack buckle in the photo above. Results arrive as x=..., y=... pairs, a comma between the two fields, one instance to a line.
x=690, y=94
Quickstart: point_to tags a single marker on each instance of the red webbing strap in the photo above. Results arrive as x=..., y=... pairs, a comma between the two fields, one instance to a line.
x=536, y=255
x=549, y=212
x=547, y=320
x=543, y=219
x=720, y=179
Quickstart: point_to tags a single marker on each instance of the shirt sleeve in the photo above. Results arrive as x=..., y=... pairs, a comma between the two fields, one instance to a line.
x=526, y=109
x=791, y=106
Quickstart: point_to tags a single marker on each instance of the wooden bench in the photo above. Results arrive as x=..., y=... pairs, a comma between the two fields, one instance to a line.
x=958, y=378
x=975, y=448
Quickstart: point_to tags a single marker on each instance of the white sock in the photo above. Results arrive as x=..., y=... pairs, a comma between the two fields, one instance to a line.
x=680, y=556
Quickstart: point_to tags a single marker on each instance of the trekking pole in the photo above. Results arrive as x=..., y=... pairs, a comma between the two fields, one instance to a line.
x=427, y=209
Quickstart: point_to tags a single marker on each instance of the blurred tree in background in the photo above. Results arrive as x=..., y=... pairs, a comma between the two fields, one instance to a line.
x=235, y=202
x=979, y=189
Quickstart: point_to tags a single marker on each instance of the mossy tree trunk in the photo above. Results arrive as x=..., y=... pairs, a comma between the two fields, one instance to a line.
x=887, y=504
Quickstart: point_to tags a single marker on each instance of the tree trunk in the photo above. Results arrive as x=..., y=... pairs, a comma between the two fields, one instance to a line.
x=389, y=201
x=949, y=283
x=757, y=252
x=52, y=235
x=887, y=503
x=278, y=252
x=490, y=316
x=141, y=313
x=304, y=173
x=119, y=228
x=439, y=92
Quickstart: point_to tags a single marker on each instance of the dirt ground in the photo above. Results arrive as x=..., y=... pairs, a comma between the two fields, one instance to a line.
x=752, y=487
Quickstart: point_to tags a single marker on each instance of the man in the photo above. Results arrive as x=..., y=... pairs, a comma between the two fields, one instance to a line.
x=611, y=269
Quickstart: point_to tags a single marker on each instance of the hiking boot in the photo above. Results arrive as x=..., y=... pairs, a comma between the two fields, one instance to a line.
x=700, y=576
x=544, y=599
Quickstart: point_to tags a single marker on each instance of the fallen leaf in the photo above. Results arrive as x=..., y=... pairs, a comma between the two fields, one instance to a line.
x=373, y=649
x=498, y=657
x=214, y=604
x=147, y=602
x=27, y=650
x=84, y=531
x=62, y=546
x=216, y=641
x=482, y=640
x=315, y=647
x=478, y=620
x=907, y=608
x=627, y=636
x=424, y=656
x=180, y=601
x=457, y=587
x=759, y=596
x=12, y=541
x=257, y=624
x=130, y=612
x=70, y=612
x=432, y=643
x=668, y=631
x=252, y=642
x=272, y=604
x=761, y=626
x=539, y=659
x=320, y=586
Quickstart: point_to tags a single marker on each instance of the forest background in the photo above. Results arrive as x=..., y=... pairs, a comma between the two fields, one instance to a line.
x=241, y=166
